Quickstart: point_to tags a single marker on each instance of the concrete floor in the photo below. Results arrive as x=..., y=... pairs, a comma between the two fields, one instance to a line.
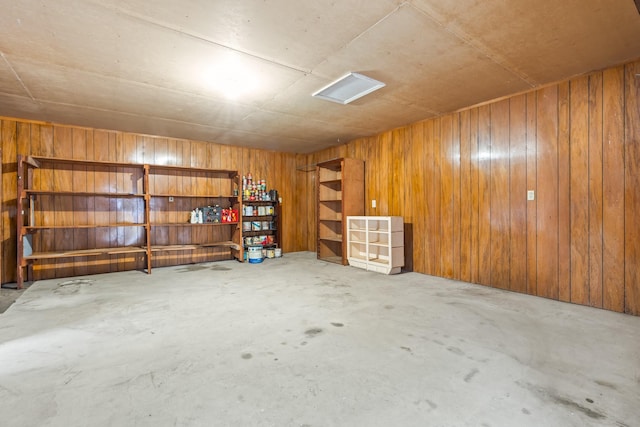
x=298, y=342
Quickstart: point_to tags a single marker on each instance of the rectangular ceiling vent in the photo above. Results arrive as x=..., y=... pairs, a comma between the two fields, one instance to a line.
x=348, y=88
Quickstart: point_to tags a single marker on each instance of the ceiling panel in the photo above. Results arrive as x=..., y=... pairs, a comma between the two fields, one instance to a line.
x=128, y=49
x=545, y=41
x=320, y=27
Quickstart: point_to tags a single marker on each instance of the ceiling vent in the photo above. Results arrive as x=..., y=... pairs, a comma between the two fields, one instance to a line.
x=348, y=88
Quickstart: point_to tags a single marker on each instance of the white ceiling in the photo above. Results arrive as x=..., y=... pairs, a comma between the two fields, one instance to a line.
x=145, y=66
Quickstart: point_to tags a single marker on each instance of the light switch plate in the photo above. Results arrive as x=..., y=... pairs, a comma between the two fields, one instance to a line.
x=373, y=203
x=531, y=195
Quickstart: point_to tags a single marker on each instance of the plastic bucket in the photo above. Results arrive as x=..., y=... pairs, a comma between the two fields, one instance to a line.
x=255, y=254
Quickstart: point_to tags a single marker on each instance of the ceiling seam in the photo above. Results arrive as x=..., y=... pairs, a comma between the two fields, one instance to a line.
x=361, y=34
x=486, y=51
x=15, y=74
x=138, y=83
x=85, y=107
x=195, y=36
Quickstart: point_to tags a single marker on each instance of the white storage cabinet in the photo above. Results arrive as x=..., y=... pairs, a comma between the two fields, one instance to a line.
x=376, y=243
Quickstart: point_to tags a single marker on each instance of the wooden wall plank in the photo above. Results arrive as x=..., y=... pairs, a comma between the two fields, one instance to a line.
x=532, y=206
x=613, y=190
x=431, y=211
x=8, y=194
x=595, y=190
x=517, y=193
x=406, y=187
x=446, y=197
x=455, y=165
x=631, y=193
x=385, y=173
x=579, y=186
x=564, y=198
x=435, y=191
x=484, y=194
x=418, y=198
x=547, y=185
x=475, y=196
x=465, y=196
x=397, y=173
x=500, y=244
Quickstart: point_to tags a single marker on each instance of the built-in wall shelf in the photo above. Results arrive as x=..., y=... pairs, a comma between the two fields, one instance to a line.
x=340, y=192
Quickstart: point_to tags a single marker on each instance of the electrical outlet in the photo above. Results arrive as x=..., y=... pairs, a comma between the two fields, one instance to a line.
x=373, y=203
x=170, y=198
x=531, y=195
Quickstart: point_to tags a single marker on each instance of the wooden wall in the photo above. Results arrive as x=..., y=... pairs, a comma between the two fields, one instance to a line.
x=460, y=181
x=28, y=137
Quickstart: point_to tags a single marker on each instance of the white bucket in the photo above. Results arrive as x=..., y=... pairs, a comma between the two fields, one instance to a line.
x=278, y=252
x=255, y=254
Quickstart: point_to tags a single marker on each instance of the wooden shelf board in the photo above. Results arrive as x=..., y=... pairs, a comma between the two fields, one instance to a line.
x=192, y=247
x=83, y=193
x=193, y=196
x=259, y=202
x=331, y=181
x=154, y=169
x=53, y=227
x=332, y=239
x=57, y=160
x=86, y=252
x=330, y=201
x=330, y=219
x=188, y=224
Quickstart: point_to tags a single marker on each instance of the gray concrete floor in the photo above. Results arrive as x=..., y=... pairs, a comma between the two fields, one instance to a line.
x=9, y=295
x=299, y=342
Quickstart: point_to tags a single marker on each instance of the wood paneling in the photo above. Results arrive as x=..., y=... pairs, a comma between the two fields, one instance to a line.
x=465, y=196
x=595, y=190
x=564, y=205
x=631, y=193
x=532, y=205
x=613, y=190
x=547, y=192
x=499, y=181
x=579, y=189
x=447, y=192
x=518, y=193
x=484, y=194
x=575, y=144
